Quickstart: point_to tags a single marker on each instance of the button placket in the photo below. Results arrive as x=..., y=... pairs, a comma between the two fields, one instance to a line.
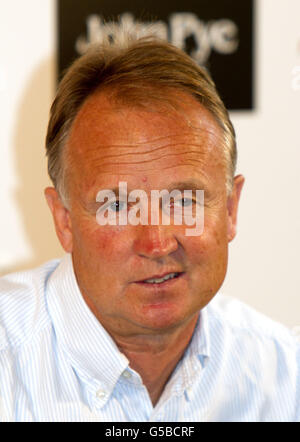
x=159, y=418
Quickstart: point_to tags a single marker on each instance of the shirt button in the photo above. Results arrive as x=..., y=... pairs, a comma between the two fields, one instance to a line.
x=101, y=394
x=126, y=374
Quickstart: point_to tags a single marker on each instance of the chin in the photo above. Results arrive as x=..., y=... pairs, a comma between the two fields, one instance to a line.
x=164, y=316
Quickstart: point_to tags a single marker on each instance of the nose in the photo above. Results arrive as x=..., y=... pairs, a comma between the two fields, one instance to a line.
x=155, y=241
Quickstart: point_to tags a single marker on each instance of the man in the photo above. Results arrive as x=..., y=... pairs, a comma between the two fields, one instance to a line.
x=128, y=326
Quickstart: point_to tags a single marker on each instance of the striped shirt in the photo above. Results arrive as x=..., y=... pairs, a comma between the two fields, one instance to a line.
x=57, y=363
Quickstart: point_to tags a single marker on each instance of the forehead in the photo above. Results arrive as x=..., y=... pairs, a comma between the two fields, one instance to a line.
x=107, y=140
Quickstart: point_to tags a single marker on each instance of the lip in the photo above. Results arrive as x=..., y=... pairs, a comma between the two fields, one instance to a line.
x=159, y=276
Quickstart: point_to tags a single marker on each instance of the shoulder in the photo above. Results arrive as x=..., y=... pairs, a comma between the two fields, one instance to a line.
x=244, y=322
x=258, y=357
x=22, y=304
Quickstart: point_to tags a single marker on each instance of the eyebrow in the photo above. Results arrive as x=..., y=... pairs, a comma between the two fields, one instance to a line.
x=185, y=185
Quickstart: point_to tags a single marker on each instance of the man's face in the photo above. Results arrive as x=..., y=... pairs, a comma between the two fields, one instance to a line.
x=148, y=151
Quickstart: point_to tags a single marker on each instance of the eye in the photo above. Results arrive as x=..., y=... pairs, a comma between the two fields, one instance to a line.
x=183, y=202
x=117, y=206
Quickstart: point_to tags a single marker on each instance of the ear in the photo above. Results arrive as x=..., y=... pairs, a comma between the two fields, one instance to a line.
x=61, y=217
x=232, y=206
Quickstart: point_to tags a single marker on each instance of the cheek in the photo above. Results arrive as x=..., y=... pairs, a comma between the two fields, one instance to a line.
x=103, y=243
x=217, y=255
x=209, y=251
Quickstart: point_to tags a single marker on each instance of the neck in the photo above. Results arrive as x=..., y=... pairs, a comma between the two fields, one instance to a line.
x=155, y=357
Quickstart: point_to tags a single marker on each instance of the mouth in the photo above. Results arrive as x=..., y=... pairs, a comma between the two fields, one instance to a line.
x=159, y=280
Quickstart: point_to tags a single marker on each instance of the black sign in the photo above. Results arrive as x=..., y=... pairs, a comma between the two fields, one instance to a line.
x=216, y=33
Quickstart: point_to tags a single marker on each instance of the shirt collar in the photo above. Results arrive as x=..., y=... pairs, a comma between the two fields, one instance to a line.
x=200, y=343
x=91, y=350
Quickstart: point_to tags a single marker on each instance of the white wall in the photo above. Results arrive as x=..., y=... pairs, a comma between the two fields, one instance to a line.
x=264, y=259
x=264, y=265
x=27, y=83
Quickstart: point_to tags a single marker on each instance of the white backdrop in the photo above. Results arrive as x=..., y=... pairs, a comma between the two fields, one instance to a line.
x=264, y=258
